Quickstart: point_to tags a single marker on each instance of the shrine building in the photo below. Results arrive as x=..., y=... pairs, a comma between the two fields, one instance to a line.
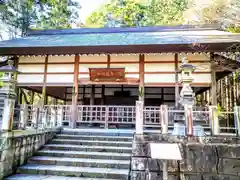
x=117, y=66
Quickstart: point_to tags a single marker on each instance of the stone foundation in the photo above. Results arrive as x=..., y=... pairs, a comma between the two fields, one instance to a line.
x=204, y=158
x=16, y=147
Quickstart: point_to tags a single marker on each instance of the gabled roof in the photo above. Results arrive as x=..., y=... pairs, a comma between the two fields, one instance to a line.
x=121, y=40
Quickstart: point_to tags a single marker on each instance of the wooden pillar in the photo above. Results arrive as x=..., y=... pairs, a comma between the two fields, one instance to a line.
x=103, y=95
x=176, y=80
x=214, y=84
x=16, y=62
x=44, y=91
x=75, y=91
x=20, y=96
x=65, y=95
x=92, y=95
x=32, y=97
x=162, y=95
x=84, y=93
x=141, y=77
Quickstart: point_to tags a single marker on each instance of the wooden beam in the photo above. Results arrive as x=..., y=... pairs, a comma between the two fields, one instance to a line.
x=176, y=80
x=44, y=87
x=75, y=91
x=141, y=74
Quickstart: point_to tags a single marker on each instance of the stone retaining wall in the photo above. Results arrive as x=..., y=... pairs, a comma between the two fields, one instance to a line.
x=204, y=158
x=16, y=147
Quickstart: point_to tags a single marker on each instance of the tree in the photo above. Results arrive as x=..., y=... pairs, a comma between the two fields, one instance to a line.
x=17, y=16
x=165, y=12
x=58, y=14
x=20, y=15
x=231, y=16
x=139, y=13
x=223, y=12
x=129, y=13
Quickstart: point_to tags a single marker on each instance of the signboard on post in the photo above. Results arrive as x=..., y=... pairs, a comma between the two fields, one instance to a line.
x=165, y=152
x=107, y=74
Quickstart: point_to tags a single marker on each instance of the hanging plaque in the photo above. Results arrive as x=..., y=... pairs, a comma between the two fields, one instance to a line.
x=107, y=74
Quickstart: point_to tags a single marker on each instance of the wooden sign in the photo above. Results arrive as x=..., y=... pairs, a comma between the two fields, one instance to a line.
x=107, y=74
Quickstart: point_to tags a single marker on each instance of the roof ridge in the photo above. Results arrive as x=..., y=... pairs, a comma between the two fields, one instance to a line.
x=123, y=30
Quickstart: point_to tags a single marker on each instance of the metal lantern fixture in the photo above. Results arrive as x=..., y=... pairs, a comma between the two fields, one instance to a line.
x=187, y=96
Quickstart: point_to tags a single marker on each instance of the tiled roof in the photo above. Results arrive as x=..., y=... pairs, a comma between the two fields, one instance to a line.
x=183, y=35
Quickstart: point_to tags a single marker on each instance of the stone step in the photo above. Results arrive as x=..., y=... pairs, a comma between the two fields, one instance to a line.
x=93, y=143
x=74, y=171
x=48, y=177
x=71, y=147
x=83, y=154
x=80, y=162
x=98, y=132
x=93, y=137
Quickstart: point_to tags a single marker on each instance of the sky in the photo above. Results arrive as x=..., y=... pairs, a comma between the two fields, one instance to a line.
x=88, y=6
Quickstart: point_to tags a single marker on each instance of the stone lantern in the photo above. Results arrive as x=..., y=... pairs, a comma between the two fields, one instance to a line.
x=7, y=95
x=187, y=96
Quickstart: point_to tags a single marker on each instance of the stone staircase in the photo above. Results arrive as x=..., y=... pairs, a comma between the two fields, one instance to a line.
x=76, y=155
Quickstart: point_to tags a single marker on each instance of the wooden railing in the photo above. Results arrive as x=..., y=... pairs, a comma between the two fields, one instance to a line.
x=210, y=120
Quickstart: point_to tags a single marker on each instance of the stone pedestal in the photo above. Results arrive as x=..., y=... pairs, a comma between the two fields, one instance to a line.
x=8, y=95
x=139, y=117
x=8, y=112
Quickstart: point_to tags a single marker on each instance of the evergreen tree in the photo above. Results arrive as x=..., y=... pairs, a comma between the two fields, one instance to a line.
x=140, y=13
x=116, y=13
x=19, y=15
x=58, y=14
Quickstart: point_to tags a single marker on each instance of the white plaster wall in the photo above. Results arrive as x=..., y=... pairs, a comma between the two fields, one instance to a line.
x=159, y=57
x=128, y=67
x=159, y=67
x=61, y=59
x=94, y=58
x=60, y=68
x=37, y=59
x=159, y=78
x=124, y=58
x=83, y=76
x=195, y=57
x=38, y=68
x=29, y=78
x=85, y=67
x=60, y=78
x=132, y=75
x=202, y=78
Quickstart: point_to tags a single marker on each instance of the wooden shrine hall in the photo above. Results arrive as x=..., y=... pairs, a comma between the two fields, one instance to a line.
x=117, y=66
